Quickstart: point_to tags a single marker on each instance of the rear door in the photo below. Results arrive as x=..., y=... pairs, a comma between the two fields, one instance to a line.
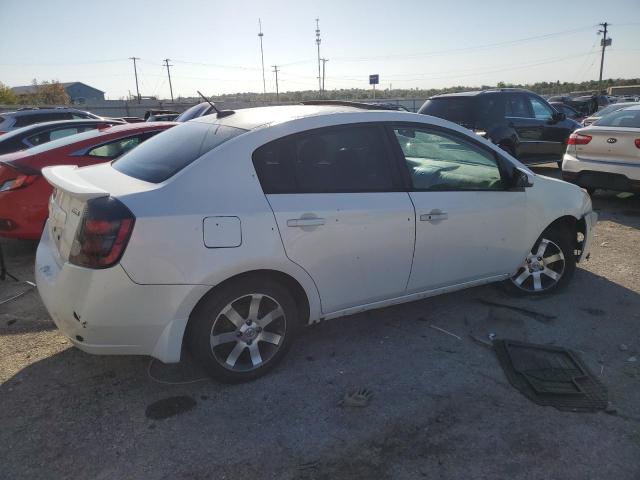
x=519, y=116
x=342, y=215
x=469, y=225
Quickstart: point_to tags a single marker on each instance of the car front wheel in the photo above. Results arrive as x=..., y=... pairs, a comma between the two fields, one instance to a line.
x=242, y=330
x=548, y=267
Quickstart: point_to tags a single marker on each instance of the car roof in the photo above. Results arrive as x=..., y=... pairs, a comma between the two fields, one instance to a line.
x=251, y=118
x=473, y=93
x=31, y=111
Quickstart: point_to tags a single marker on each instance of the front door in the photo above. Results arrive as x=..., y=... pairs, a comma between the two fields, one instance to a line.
x=469, y=226
x=341, y=214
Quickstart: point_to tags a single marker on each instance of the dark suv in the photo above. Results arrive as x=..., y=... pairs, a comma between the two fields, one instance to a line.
x=519, y=121
x=29, y=116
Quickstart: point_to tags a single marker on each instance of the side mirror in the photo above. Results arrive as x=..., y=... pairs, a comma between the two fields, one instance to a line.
x=522, y=178
x=559, y=116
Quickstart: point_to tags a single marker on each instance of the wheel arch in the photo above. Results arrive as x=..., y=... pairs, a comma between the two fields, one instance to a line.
x=576, y=227
x=293, y=285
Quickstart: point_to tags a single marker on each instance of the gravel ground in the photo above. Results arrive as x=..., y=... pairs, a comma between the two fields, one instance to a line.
x=441, y=406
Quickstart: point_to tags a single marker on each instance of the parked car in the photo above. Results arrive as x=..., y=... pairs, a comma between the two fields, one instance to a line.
x=160, y=115
x=24, y=193
x=606, y=111
x=28, y=116
x=518, y=121
x=569, y=111
x=199, y=110
x=607, y=153
x=233, y=230
x=40, y=133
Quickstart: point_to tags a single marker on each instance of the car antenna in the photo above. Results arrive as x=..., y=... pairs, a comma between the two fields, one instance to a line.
x=219, y=113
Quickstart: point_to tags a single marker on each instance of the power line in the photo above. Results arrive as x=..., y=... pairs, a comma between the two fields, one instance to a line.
x=135, y=72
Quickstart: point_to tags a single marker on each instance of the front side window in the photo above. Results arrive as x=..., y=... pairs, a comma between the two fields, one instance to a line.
x=115, y=148
x=518, y=106
x=342, y=159
x=439, y=161
x=541, y=110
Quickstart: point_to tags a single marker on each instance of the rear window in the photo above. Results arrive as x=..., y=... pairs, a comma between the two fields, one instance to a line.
x=166, y=154
x=455, y=109
x=621, y=118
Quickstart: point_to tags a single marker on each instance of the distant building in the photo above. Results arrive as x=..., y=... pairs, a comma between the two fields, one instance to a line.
x=78, y=92
x=625, y=90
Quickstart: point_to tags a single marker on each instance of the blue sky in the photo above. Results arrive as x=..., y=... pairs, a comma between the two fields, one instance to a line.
x=214, y=45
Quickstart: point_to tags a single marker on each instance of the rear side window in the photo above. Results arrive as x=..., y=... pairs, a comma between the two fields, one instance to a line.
x=115, y=148
x=342, y=159
x=455, y=109
x=165, y=155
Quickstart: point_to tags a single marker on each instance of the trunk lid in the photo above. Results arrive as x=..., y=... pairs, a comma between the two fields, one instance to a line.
x=611, y=144
x=73, y=188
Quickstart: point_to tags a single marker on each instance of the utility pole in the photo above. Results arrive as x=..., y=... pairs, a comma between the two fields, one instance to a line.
x=264, y=82
x=276, y=70
x=166, y=61
x=135, y=72
x=604, y=45
x=318, y=44
x=324, y=69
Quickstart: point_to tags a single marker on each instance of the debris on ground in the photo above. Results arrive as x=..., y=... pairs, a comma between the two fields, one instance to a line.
x=551, y=376
x=445, y=331
x=357, y=398
x=539, y=316
x=632, y=359
x=623, y=347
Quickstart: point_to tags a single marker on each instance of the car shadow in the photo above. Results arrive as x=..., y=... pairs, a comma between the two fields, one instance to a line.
x=73, y=406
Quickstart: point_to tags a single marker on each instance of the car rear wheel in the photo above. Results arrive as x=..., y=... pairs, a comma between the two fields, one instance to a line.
x=242, y=330
x=548, y=267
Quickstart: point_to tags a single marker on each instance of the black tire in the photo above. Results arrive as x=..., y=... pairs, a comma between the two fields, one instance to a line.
x=560, y=165
x=591, y=190
x=209, y=314
x=556, y=238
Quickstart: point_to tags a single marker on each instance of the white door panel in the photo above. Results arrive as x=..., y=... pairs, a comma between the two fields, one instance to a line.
x=357, y=247
x=464, y=236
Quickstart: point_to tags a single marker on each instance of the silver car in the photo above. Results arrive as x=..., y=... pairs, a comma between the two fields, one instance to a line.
x=614, y=107
x=606, y=154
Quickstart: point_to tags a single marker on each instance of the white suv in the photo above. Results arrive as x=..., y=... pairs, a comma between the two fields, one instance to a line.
x=231, y=231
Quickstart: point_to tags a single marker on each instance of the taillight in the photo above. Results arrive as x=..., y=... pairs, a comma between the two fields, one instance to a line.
x=2, y=132
x=578, y=139
x=21, y=180
x=103, y=234
x=637, y=142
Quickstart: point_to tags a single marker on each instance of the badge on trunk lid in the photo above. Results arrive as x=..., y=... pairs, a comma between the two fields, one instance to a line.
x=612, y=140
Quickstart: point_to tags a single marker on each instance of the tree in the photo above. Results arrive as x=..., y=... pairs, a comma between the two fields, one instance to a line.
x=7, y=97
x=51, y=93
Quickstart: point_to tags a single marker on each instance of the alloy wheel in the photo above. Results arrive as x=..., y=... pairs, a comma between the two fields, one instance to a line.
x=542, y=268
x=248, y=332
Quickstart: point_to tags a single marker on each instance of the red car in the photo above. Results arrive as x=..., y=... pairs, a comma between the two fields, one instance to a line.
x=24, y=193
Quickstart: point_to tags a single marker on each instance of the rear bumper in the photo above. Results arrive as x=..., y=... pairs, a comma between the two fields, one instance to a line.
x=24, y=211
x=601, y=174
x=105, y=312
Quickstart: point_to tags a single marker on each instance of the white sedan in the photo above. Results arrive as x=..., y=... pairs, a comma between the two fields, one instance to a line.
x=233, y=230
x=607, y=153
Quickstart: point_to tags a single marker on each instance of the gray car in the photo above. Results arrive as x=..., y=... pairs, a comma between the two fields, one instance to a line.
x=614, y=107
x=24, y=117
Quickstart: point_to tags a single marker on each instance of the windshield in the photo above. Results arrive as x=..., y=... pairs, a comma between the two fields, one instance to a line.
x=621, y=118
x=612, y=108
x=166, y=154
x=194, y=112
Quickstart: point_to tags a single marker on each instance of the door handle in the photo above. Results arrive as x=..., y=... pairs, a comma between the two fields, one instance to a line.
x=434, y=216
x=305, y=222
